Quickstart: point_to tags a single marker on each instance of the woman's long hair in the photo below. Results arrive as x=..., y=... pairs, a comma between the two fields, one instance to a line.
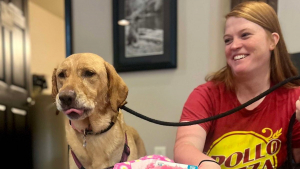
x=280, y=63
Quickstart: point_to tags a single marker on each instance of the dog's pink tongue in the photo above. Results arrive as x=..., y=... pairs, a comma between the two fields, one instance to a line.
x=73, y=110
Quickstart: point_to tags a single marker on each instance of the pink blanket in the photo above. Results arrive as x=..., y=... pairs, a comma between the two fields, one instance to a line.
x=152, y=162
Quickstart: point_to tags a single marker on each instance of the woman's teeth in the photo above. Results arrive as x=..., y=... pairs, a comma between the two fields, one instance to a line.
x=238, y=57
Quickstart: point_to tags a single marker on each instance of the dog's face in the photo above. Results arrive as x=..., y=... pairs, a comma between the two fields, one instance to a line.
x=84, y=84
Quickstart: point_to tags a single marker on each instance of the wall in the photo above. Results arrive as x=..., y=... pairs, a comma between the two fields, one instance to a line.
x=288, y=14
x=159, y=94
x=47, y=36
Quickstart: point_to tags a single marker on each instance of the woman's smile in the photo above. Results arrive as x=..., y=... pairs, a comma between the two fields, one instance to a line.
x=239, y=57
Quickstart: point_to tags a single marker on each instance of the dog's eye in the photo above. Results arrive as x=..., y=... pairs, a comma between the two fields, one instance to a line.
x=61, y=75
x=88, y=73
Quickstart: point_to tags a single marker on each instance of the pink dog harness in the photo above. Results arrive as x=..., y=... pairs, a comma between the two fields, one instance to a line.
x=125, y=154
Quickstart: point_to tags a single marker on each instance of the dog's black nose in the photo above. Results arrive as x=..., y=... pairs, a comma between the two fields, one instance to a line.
x=67, y=97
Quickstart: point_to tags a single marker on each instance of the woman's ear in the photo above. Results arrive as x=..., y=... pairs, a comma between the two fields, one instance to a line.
x=274, y=40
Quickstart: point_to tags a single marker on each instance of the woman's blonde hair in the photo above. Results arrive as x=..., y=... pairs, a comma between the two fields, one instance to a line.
x=280, y=64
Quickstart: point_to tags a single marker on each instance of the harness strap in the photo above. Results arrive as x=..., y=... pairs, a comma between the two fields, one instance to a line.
x=79, y=165
x=126, y=151
x=125, y=154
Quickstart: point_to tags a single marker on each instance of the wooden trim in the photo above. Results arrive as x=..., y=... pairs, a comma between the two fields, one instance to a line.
x=68, y=18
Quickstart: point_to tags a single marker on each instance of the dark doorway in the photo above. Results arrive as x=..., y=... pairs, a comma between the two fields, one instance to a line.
x=15, y=82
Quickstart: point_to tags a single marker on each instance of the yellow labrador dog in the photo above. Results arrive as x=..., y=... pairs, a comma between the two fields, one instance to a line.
x=89, y=92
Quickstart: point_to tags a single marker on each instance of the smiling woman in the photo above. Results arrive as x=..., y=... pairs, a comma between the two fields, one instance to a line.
x=281, y=66
x=257, y=59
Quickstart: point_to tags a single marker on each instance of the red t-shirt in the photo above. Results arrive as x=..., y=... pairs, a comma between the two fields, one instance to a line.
x=255, y=138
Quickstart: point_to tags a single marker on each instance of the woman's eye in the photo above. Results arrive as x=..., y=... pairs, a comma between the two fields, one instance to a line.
x=88, y=73
x=227, y=41
x=245, y=35
x=61, y=75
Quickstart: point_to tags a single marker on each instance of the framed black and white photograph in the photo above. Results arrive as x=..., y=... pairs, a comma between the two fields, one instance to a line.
x=145, y=34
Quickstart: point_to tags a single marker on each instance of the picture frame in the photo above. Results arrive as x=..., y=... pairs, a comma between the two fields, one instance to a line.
x=144, y=34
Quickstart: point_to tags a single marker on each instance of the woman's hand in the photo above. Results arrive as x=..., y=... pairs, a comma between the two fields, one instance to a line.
x=298, y=109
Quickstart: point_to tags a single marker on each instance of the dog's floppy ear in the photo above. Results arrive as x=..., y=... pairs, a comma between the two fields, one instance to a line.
x=54, y=87
x=117, y=89
x=54, y=84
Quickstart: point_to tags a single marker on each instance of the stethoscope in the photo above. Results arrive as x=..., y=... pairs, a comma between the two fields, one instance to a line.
x=176, y=124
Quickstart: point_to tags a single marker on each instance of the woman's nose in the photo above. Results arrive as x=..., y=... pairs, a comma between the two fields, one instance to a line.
x=236, y=44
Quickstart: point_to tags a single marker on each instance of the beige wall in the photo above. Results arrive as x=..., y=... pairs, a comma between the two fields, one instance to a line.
x=47, y=38
x=288, y=14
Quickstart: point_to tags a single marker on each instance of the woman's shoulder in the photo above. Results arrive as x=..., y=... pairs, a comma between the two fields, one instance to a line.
x=212, y=86
x=289, y=90
x=286, y=93
x=295, y=91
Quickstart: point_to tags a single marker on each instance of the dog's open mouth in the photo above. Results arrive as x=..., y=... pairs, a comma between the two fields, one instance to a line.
x=74, y=113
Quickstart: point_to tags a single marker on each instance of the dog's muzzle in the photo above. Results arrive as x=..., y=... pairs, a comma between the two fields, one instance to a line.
x=67, y=98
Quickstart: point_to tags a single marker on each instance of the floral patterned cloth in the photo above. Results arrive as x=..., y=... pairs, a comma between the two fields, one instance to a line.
x=146, y=162
x=153, y=162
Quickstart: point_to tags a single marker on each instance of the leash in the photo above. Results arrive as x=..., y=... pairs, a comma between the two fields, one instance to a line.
x=164, y=123
x=290, y=129
x=290, y=164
